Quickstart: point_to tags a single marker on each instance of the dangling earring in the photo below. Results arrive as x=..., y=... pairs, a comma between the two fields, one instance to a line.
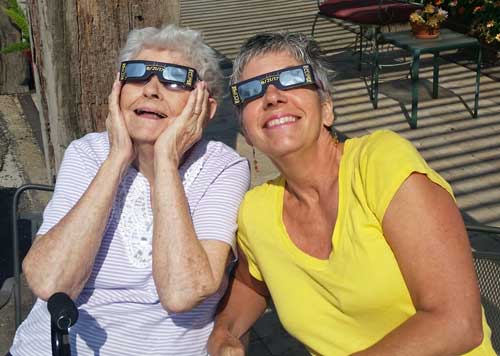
x=255, y=163
x=335, y=137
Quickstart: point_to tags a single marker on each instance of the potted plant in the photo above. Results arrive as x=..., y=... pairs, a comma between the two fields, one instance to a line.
x=486, y=23
x=426, y=22
x=478, y=18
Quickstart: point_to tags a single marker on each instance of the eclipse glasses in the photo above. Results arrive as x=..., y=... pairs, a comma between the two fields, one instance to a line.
x=168, y=73
x=284, y=79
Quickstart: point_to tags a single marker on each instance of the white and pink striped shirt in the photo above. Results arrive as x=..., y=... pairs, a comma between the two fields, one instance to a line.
x=120, y=312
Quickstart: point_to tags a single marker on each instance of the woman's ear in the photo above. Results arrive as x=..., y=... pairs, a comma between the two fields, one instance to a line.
x=212, y=107
x=248, y=140
x=327, y=112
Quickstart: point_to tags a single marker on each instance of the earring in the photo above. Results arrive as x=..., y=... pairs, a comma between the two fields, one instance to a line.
x=255, y=163
x=335, y=137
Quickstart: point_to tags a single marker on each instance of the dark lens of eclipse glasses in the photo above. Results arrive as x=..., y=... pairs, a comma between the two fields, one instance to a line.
x=292, y=77
x=135, y=70
x=251, y=89
x=175, y=74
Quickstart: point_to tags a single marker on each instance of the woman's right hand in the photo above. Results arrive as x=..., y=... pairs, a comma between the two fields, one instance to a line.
x=121, y=146
x=225, y=346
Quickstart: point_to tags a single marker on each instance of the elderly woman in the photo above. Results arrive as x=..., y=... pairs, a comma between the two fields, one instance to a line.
x=141, y=224
x=360, y=244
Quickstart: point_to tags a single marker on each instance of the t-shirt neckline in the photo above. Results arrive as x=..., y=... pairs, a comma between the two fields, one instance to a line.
x=301, y=256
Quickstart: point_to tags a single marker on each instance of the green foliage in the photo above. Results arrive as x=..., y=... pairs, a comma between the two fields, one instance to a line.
x=482, y=17
x=15, y=47
x=18, y=18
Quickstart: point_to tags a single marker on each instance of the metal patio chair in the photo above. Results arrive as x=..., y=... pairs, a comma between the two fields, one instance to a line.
x=14, y=282
x=369, y=15
x=487, y=264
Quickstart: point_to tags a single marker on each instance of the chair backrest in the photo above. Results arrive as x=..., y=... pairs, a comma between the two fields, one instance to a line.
x=6, y=272
x=488, y=272
x=34, y=222
x=487, y=264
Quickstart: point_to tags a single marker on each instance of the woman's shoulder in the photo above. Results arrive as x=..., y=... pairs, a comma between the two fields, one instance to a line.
x=89, y=151
x=217, y=152
x=209, y=161
x=377, y=140
x=94, y=144
x=262, y=194
x=259, y=203
x=380, y=145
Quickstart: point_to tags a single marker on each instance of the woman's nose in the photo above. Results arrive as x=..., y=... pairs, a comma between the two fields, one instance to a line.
x=273, y=96
x=151, y=88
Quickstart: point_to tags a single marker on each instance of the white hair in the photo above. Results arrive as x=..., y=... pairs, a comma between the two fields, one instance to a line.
x=189, y=43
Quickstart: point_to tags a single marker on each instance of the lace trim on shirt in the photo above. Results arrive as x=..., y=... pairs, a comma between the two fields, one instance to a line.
x=133, y=211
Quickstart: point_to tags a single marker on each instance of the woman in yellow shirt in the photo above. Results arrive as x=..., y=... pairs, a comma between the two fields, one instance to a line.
x=360, y=244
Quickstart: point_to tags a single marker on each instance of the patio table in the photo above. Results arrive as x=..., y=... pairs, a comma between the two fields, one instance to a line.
x=447, y=40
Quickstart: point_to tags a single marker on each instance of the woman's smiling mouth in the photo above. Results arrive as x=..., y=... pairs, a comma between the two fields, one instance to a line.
x=279, y=121
x=149, y=113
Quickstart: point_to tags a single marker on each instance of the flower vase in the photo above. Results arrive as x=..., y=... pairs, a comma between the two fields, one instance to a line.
x=422, y=31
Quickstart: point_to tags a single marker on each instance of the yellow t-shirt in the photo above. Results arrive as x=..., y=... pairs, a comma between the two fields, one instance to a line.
x=350, y=301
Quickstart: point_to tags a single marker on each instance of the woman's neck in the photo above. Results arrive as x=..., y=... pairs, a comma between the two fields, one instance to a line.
x=313, y=171
x=144, y=161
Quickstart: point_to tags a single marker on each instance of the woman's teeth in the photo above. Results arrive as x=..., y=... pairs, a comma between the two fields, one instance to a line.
x=280, y=121
x=141, y=112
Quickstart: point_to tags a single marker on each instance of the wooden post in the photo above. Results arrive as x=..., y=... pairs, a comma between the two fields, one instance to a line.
x=76, y=44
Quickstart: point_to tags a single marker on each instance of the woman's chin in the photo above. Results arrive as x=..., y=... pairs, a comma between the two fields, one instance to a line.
x=145, y=135
x=144, y=139
x=281, y=150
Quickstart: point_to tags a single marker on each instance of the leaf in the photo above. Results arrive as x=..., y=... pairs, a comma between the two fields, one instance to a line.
x=15, y=47
x=18, y=19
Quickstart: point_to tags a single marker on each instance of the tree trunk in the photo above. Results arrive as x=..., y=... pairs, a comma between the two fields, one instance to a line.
x=76, y=44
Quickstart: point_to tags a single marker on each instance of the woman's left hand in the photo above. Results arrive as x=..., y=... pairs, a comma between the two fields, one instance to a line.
x=186, y=129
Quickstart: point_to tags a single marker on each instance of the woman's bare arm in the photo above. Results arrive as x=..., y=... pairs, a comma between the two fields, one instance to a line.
x=243, y=303
x=426, y=233
x=187, y=270
x=62, y=259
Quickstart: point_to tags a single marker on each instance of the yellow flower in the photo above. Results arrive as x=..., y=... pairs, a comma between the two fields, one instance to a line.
x=433, y=22
x=490, y=24
x=498, y=37
x=429, y=9
x=416, y=18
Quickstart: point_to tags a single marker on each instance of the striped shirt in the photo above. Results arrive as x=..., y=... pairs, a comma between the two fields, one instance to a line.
x=120, y=312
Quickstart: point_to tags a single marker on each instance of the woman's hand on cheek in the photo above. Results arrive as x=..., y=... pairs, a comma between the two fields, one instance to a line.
x=121, y=147
x=185, y=129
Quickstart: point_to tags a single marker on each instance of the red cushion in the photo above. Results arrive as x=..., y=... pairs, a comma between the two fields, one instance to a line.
x=375, y=13
x=329, y=7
